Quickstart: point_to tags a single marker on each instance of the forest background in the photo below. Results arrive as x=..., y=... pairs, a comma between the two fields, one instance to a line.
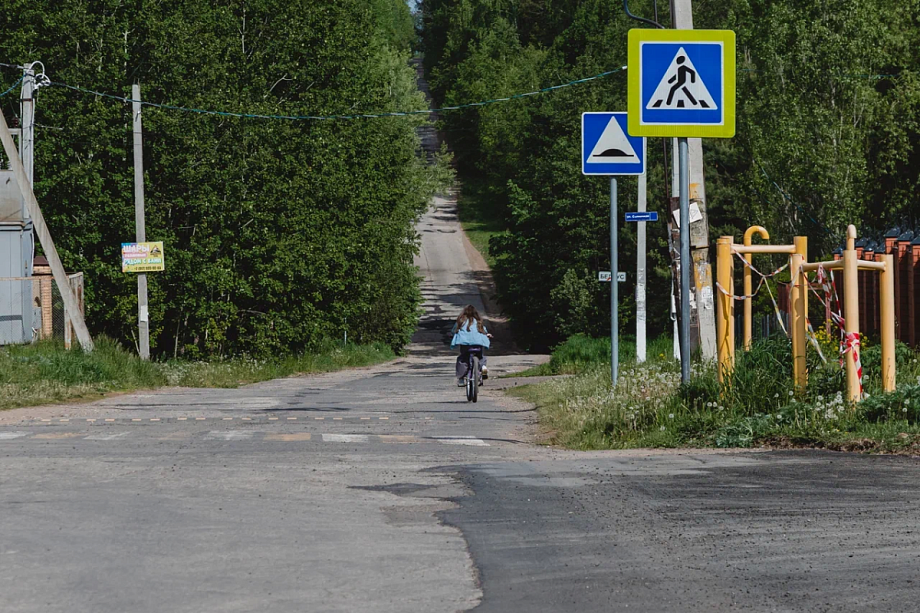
x=828, y=133
x=279, y=235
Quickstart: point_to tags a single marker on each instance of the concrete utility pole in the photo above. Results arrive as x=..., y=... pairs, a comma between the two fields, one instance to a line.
x=44, y=236
x=702, y=305
x=614, y=289
x=640, y=273
x=143, y=317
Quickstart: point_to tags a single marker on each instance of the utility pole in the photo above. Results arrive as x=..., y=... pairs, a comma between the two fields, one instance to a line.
x=614, y=290
x=702, y=304
x=640, y=274
x=683, y=159
x=143, y=316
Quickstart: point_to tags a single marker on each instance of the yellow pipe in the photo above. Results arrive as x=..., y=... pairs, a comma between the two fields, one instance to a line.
x=725, y=337
x=829, y=265
x=799, y=369
x=851, y=311
x=763, y=249
x=838, y=265
x=748, y=287
x=886, y=291
x=801, y=247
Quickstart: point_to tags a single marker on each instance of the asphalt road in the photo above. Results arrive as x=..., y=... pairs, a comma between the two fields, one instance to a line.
x=383, y=490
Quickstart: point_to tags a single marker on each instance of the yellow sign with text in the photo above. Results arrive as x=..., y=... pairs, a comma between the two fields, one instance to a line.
x=142, y=257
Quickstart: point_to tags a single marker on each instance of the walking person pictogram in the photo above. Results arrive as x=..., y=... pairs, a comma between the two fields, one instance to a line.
x=681, y=87
x=683, y=72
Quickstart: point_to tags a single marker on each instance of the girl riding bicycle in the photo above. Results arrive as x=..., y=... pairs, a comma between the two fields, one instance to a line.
x=469, y=331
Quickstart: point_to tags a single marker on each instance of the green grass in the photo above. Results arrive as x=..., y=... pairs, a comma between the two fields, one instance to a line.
x=479, y=217
x=47, y=373
x=580, y=353
x=650, y=408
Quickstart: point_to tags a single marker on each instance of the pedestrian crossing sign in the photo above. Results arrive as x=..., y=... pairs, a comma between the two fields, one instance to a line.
x=606, y=148
x=681, y=83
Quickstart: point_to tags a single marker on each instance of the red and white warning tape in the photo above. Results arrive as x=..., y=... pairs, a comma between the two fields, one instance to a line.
x=851, y=346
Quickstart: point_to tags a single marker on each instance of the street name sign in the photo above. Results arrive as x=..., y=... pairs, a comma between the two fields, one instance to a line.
x=607, y=148
x=681, y=83
x=642, y=216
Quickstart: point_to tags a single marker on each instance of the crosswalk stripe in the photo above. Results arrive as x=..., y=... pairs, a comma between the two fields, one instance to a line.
x=8, y=436
x=228, y=435
x=106, y=437
x=58, y=435
x=344, y=438
x=290, y=437
x=398, y=438
x=461, y=440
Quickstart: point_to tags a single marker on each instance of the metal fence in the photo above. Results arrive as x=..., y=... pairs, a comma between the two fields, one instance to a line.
x=31, y=309
x=905, y=247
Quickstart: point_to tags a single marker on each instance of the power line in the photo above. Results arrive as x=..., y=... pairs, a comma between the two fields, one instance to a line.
x=786, y=197
x=333, y=117
x=543, y=90
x=12, y=87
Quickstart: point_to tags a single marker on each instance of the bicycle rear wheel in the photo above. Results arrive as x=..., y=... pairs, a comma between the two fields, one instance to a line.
x=474, y=378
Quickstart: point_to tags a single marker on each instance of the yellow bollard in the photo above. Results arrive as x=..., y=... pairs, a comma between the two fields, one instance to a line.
x=748, y=288
x=851, y=309
x=801, y=246
x=886, y=297
x=797, y=303
x=725, y=316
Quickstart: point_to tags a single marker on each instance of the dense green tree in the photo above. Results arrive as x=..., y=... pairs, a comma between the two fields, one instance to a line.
x=278, y=234
x=827, y=134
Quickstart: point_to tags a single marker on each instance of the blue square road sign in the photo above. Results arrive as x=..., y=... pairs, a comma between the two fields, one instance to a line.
x=607, y=148
x=682, y=83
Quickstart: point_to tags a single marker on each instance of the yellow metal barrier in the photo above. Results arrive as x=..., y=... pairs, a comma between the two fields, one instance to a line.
x=851, y=265
x=725, y=325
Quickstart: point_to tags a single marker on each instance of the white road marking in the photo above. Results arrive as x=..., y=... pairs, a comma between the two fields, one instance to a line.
x=106, y=437
x=6, y=436
x=228, y=435
x=344, y=438
x=470, y=441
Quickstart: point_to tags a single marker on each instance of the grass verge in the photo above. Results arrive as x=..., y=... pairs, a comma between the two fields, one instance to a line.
x=580, y=353
x=650, y=408
x=479, y=217
x=46, y=373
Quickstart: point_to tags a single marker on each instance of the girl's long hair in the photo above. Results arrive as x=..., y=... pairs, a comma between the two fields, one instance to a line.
x=469, y=315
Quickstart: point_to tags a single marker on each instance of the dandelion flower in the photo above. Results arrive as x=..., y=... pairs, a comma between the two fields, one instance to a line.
x=662, y=428
x=671, y=415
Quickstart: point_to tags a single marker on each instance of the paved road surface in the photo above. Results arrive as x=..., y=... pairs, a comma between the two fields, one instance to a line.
x=382, y=490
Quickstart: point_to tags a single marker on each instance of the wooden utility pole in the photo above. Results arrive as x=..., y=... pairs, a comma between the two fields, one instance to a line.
x=143, y=315
x=44, y=237
x=702, y=303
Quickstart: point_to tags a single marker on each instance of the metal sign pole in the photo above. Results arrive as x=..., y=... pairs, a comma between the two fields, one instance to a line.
x=685, y=263
x=614, y=324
